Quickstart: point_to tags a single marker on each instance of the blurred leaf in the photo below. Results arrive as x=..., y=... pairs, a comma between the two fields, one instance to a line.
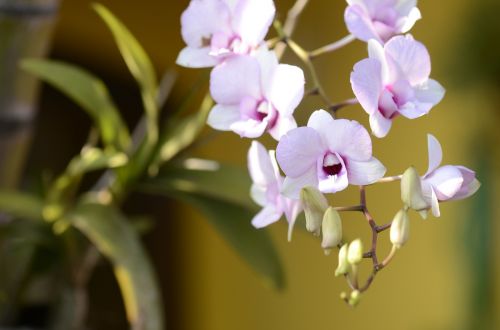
x=166, y=84
x=116, y=239
x=135, y=57
x=21, y=205
x=181, y=133
x=222, y=199
x=92, y=159
x=88, y=92
x=206, y=178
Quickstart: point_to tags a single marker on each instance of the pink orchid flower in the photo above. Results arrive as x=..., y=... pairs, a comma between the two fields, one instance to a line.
x=255, y=94
x=394, y=81
x=328, y=154
x=266, y=189
x=214, y=29
x=447, y=182
x=380, y=19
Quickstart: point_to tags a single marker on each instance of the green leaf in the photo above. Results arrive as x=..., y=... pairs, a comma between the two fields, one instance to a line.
x=92, y=159
x=88, y=92
x=115, y=238
x=134, y=56
x=21, y=205
x=206, y=178
x=181, y=133
x=222, y=195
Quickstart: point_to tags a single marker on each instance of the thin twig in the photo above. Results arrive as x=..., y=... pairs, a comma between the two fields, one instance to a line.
x=290, y=24
x=335, y=107
x=332, y=47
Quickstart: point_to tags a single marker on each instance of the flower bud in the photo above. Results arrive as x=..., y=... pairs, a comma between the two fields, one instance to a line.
x=355, y=298
x=332, y=230
x=411, y=190
x=343, y=267
x=315, y=205
x=400, y=229
x=355, y=252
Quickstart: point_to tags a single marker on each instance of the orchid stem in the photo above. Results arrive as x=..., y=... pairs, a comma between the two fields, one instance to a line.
x=332, y=47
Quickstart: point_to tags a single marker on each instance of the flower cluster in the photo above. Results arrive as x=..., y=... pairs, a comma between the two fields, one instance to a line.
x=255, y=94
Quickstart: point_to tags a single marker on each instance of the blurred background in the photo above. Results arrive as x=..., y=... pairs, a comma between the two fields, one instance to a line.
x=446, y=277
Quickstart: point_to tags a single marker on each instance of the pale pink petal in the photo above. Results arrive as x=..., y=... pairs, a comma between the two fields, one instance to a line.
x=236, y=78
x=292, y=211
x=406, y=23
x=283, y=125
x=292, y=186
x=415, y=109
x=435, y=153
x=196, y=58
x=411, y=56
x=249, y=128
x=429, y=92
x=202, y=19
x=404, y=7
x=366, y=82
x=446, y=181
x=268, y=63
x=333, y=183
x=320, y=121
x=221, y=117
x=266, y=216
x=470, y=184
x=252, y=19
x=348, y=138
x=287, y=88
x=389, y=70
x=299, y=150
x=435, y=204
x=364, y=173
x=258, y=195
x=359, y=23
x=380, y=125
x=260, y=166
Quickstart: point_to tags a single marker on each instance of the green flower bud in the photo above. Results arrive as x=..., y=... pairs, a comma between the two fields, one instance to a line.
x=411, y=190
x=400, y=229
x=332, y=230
x=355, y=252
x=355, y=298
x=315, y=205
x=344, y=266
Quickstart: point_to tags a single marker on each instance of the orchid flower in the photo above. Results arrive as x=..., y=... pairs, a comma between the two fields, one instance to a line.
x=328, y=154
x=447, y=182
x=394, y=81
x=255, y=94
x=266, y=188
x=215, y=29
x=380, y=19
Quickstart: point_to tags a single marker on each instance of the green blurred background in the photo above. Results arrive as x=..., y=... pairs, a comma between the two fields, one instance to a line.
x=447, y=275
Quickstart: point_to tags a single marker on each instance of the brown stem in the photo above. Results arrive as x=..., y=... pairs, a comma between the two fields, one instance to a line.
x=290, y=24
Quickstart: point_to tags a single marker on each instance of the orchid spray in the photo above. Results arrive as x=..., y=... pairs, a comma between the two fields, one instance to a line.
x=256, y=94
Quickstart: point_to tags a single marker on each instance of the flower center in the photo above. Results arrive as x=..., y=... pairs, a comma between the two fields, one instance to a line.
x=331, y=164
x=223, y=43
x=265, y=110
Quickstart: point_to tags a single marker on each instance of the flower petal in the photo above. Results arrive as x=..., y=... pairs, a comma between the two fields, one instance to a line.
x=292, y=211
x=470, y=184
x=202, y=19
x=359, y=23
x=236, y=78
x=196, y=58
x=333, y=183
x=258, y=194
x=364, y=173
x=366, y=82
x=298, y=151
x=380, y=125
x=429, y=92
x=411, y=56
x=292, y=186
x=435, y=153
x=249, y=128
x=283, y=125
x=252, y=19
x=348, y=138
x=221, y=117
x=266, y=216
x=287, y=88
x=435, y=204
x=446, y=181
x=260, y=166
x=406, y=23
